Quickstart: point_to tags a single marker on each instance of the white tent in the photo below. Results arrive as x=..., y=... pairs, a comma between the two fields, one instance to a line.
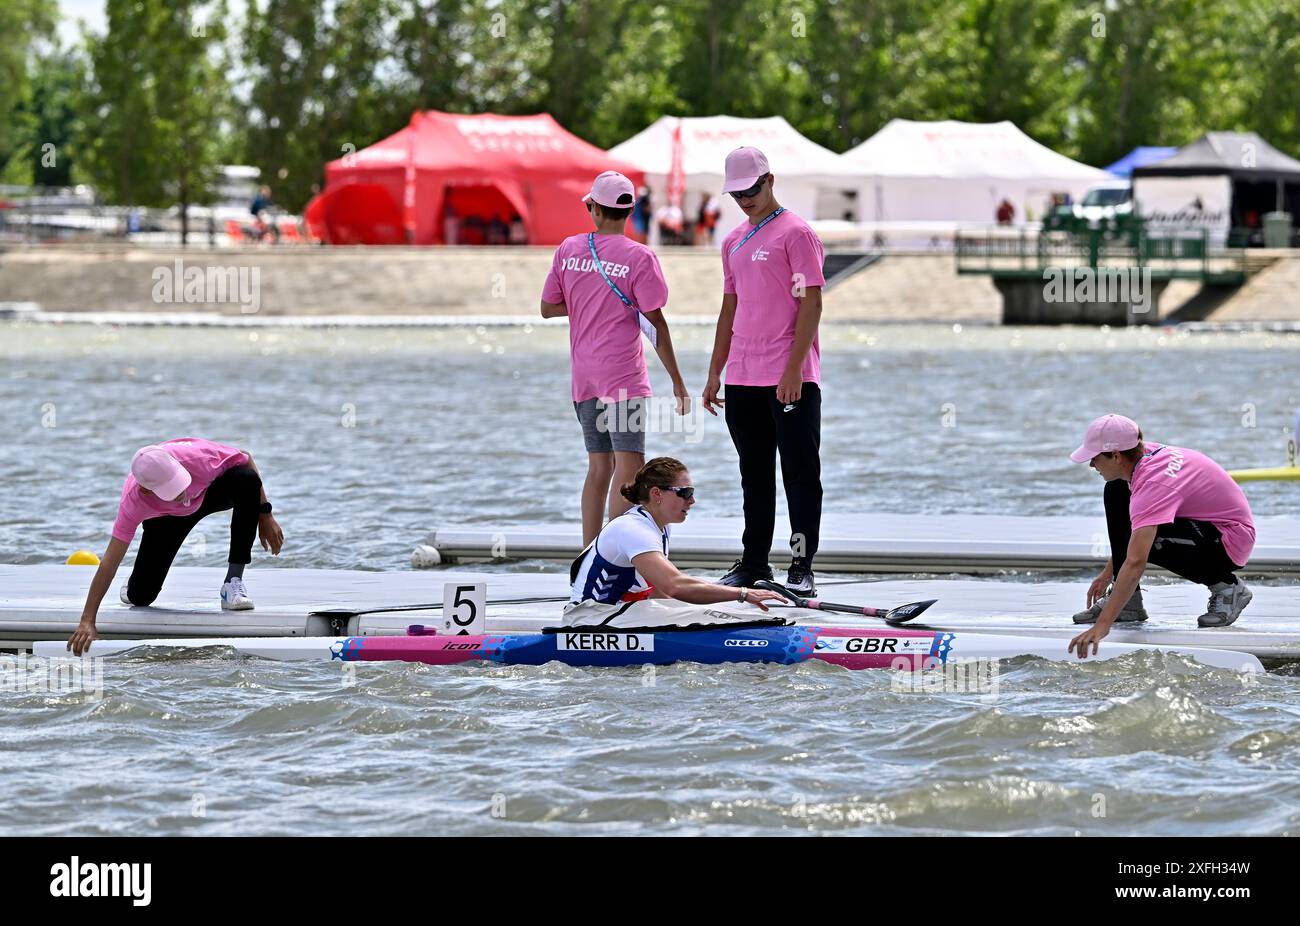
x=960, y=172
x=802, y=167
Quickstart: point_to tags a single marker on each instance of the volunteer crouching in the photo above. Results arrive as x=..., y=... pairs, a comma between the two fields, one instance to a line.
x=623, y=580
x=1169, y=506
x=172, y=486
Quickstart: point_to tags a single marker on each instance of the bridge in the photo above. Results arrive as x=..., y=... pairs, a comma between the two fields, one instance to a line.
x=1096, y=276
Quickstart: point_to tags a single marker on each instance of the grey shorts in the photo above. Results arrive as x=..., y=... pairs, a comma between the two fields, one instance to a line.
x=618, y=426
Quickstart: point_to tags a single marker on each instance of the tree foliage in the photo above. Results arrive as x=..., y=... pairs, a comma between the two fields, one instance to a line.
x=152, y=112
x=24, y=25
x=309, y=80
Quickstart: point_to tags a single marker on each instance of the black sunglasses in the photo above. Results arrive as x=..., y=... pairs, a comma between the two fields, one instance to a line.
x=752, y=191
x=679, y=491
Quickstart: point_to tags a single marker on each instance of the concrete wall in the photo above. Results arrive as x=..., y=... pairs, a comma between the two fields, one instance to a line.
x=508, y=281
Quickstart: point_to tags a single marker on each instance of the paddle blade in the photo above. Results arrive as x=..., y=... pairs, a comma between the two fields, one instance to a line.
x=905, y=612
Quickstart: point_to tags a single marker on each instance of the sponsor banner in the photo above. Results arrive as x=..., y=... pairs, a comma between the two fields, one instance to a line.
x=602, y=642
x=1185, y=202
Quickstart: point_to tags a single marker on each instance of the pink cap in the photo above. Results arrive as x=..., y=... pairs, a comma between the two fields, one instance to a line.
x=159, y=472
x=611, y=189
x=1106, y=435
x=744, y=167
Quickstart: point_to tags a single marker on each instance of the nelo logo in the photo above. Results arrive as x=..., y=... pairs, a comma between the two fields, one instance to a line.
x=744, y=643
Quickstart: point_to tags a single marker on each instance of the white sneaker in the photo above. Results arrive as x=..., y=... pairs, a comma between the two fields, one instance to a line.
x=234, y=597
x=125, y=600
x=1226, y=604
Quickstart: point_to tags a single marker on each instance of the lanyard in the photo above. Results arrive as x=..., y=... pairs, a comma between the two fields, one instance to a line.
x=753, y=231
x=646, y=328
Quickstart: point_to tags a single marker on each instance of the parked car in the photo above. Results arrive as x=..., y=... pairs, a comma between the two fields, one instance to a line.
x=1107, y=200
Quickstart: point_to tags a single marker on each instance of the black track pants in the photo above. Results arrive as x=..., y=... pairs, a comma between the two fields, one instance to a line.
x=761, y=427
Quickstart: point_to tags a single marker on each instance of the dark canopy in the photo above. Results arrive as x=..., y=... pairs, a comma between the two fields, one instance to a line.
x=1240, y=155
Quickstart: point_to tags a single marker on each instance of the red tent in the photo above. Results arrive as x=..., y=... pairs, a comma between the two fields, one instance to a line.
x=482, y=168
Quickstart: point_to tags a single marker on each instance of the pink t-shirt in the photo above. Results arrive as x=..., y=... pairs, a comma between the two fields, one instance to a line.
x=765, y=273
x=205, y=461
x=604, y=336
x=1174, y=482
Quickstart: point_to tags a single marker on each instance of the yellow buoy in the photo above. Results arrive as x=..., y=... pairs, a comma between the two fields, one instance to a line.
x=83, y=558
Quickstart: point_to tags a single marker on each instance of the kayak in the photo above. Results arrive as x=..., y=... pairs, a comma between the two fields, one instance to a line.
x=849, y=647
x=1268, y=474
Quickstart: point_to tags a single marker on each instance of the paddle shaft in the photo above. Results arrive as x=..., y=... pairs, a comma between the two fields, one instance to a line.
x=818, y=605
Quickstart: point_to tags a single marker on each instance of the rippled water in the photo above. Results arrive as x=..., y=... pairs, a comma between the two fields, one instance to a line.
x=369, y=438
x=225, y=746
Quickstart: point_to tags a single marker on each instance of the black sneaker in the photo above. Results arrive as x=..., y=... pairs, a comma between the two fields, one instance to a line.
x=800, y=579
x=743, y=575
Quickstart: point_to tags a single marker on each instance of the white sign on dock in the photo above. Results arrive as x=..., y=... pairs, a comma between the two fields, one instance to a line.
x=464, y=608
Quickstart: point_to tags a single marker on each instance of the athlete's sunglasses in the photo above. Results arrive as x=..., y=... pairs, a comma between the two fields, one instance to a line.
x=752, y=191
x=680, y=491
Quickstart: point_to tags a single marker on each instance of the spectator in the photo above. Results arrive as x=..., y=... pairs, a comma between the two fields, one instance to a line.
x=518, y=232
x=261, y=202
x=707, y=220
x=1006, y=212
x=641, y=215
x=472, y=230
x=450, y=225
x=669, y=220
x=263, y=225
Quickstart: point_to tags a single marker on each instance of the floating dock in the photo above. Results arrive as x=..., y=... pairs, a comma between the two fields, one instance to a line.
x=866, y=543
x=45, y=602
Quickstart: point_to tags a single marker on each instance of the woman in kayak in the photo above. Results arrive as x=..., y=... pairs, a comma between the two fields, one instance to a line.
x=623, y=579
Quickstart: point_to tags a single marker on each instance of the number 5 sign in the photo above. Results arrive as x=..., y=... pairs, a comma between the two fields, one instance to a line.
x=464, y=608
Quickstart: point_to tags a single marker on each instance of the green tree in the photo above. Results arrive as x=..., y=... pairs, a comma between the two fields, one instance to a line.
x=24, y=24
x=322, y=85
x=157, y=92
x=1155, y=72
x=58, y=77
x=869, y=61
x=1270, y=49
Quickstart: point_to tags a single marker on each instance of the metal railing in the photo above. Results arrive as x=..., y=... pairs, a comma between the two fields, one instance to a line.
x=1177, y=253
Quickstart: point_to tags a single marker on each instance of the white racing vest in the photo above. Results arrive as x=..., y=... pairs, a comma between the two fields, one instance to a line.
x=603, y=573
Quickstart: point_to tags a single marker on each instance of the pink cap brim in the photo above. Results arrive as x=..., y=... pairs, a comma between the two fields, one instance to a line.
x=735, y=186
x=1083, y=454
